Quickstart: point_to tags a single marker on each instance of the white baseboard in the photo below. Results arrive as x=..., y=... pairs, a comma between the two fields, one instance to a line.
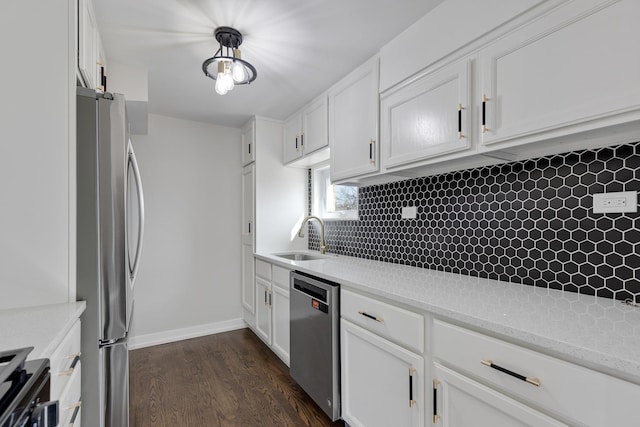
x=173, y=335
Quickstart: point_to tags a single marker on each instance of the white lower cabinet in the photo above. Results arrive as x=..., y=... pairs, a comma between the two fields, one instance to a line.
x=462, y=402
x=263, y=309
x=516, y=386
x=382, y=381
x=65, y=368
x=272, y=307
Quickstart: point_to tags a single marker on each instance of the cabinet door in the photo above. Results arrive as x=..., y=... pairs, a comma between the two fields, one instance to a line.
x=381, y=382
x=562, y=70
x=461, y=402
x=292, y=146
x=247, y=236
x=101, y=62
x=428, y=117
x=314, y=126
x=87, y=30
x=280, y=313
x=248, y=275
x=353, y=123
x=263, y=309
x=248, y=143
x=248, y=204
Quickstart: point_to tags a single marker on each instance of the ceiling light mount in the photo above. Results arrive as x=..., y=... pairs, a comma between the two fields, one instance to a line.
x=226, y=66
x=228, y=36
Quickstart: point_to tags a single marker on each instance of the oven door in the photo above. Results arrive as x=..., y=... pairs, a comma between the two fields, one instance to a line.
x=31, y=406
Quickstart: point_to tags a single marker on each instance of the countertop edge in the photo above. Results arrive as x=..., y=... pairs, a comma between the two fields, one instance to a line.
x=41, y=327
x=607, y=363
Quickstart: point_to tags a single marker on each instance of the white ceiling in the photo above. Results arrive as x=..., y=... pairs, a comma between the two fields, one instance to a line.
x=299, y=47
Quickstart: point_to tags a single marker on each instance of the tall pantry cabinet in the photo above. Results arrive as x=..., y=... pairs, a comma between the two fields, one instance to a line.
x=37, y=153
x=274, y=200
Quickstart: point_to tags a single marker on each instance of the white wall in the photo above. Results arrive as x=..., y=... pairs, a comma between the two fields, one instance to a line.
x=37, y=153
x=281, y=193
x=189, y=278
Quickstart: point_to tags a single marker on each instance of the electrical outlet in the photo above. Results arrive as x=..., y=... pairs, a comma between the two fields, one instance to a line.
x=409, y=212
x=615, y=202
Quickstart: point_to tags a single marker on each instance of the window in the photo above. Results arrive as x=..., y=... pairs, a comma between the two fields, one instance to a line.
x=333, y=201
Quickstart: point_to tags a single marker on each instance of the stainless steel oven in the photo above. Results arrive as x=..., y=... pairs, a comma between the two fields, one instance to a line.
x=315, y=340
x=24, y=391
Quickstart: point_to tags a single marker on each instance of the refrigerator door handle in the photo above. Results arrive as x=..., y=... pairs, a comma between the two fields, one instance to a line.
x=133, y=269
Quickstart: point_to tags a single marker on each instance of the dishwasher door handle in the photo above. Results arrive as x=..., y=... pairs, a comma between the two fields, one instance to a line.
x=311, y=291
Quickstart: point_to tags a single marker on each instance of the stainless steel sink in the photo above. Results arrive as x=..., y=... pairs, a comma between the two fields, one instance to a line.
x=300, y=256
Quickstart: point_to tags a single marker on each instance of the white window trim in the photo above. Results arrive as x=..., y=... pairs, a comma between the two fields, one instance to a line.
x=318, y=197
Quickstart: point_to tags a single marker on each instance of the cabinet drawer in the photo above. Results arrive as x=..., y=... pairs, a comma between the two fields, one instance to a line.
x=263, y=269
x=395, y=323
x=568, y=392
x=281, y=277
x=70, y=401
x=64, y=361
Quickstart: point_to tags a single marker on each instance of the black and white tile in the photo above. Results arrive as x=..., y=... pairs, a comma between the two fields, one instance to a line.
x=527, y=222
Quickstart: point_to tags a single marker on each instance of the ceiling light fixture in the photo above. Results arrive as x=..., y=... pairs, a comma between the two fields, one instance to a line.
x=226, y=66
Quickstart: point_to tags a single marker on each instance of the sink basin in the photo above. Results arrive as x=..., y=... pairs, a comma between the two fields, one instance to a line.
x=300, y=256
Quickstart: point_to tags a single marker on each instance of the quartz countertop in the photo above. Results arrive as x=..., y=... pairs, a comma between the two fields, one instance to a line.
x=41, y=327
x=598, y=333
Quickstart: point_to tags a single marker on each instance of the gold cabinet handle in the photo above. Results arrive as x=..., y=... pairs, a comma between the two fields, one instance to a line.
x=411, y=401
x=532, y=381
x=436, y=417
x=484, y=113
x=372, y=143
x=377, y=319
x=76, y=409
x=460, y=108
x=68, y=372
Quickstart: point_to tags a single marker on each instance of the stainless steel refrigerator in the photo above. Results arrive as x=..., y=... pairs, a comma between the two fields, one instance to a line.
x=110, y=224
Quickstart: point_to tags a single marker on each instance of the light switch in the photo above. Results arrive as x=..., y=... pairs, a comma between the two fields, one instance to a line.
x=626, y=201
x=409, y=212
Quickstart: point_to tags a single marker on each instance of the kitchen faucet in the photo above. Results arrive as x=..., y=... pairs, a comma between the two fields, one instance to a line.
x=323, y=243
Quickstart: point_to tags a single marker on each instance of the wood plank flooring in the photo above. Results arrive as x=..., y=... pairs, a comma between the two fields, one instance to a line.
x=228, y=379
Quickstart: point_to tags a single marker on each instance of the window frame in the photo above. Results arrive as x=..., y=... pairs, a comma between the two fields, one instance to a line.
x=320, y=177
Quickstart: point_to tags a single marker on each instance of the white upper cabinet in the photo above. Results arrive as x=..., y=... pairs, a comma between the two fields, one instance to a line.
x=87, y=43
x=454, y=27
x=427, y=117
x=305, y=135
x=572, y=70
x=314, y=126
x=101, y=64
x=91, y=58
x=292, y=143
x=248, y=143
x=353, y=123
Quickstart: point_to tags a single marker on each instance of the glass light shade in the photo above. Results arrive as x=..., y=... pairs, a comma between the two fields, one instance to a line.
x=226, y=79
x=221, y=88
x=238, y=72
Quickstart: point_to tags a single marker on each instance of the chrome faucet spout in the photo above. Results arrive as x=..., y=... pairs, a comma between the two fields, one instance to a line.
x=323, y=243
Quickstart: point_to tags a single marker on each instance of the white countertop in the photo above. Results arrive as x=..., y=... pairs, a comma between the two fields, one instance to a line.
x=41, y=327
x=599, y=333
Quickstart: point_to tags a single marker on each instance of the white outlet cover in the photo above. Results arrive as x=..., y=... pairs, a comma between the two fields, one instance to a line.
x=409, y=212
x=622, y=202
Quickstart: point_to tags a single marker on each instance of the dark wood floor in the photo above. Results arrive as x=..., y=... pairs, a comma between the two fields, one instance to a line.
x=228, y=379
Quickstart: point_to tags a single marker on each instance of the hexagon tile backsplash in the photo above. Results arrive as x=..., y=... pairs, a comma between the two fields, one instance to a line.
x=527, y=222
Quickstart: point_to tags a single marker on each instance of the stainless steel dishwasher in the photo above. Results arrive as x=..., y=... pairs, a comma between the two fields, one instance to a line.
x=315, y=340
